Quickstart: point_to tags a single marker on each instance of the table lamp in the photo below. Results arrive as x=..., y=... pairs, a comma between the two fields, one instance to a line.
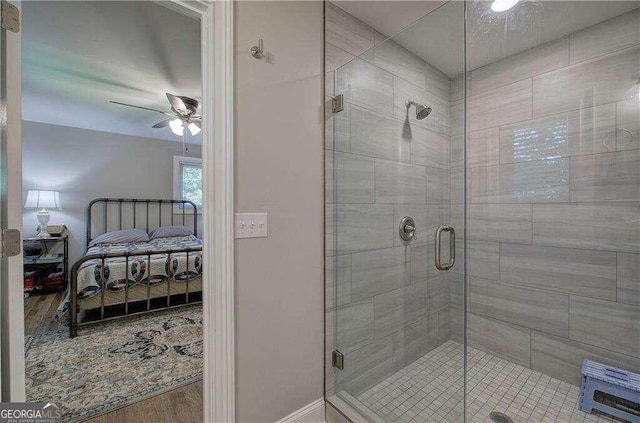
x=41, y=199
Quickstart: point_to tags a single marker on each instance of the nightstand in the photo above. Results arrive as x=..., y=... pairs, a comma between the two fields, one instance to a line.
x=46, y=263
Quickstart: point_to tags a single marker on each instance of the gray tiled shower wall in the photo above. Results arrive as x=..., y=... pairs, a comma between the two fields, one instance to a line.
x=387, y=305
x=553, y=193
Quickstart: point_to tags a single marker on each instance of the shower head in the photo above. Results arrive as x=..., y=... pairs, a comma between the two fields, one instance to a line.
x=422, y=111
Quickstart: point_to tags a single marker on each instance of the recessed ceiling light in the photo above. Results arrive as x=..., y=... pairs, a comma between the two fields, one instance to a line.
x=502, y=5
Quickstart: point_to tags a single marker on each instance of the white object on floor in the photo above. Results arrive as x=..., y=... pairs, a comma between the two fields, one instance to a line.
x=251, y=225
x=431, y=389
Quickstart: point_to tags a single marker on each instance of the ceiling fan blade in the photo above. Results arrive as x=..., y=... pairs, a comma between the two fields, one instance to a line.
x=177, y=103
x=143, y=108
x=162, y=124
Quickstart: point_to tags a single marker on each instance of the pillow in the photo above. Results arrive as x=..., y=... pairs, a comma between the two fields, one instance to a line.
x=170, y=232
x=124, y=236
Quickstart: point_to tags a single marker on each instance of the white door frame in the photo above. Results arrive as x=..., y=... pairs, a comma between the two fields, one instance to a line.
x=12, y=301
x=217, y=153
x=217, y=171
x=216, y=20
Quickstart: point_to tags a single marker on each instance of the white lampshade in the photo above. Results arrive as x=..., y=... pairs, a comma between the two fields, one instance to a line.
x=40, y=199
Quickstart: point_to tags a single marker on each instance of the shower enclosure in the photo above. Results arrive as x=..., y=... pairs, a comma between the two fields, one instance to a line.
x=482, y=209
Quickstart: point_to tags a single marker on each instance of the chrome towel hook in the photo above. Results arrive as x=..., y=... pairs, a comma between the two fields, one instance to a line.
x=257, y=51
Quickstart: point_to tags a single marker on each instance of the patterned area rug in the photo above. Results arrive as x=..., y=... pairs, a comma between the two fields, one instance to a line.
x=112, y=364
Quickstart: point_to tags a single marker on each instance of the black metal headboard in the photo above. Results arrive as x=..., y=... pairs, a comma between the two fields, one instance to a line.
x=140, y=211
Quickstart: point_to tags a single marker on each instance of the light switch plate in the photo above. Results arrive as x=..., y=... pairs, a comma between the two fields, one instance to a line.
x=251, y=225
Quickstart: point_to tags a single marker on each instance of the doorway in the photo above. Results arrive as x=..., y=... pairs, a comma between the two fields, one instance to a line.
x=11, y=354
x=111, y=142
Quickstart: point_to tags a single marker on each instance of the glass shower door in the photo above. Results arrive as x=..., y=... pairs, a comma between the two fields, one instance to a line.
x=395, y=178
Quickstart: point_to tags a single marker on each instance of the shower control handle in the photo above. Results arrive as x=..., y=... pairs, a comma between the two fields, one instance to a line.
x=407, y=228
x=452, y=247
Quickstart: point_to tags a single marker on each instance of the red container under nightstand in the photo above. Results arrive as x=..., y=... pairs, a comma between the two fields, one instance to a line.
x=29, y=280
x=53, y=281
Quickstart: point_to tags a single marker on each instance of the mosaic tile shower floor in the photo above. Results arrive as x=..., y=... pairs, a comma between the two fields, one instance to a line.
x=431, y=390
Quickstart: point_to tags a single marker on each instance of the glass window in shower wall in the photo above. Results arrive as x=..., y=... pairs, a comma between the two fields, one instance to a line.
x=394, y=171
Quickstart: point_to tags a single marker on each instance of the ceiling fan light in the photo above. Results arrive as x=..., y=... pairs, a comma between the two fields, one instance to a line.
x=194, y=129
x=177, y=127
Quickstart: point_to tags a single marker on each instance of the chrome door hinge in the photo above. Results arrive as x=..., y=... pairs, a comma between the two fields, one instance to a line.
x=9, y=16
x=337, y=359
x=337, y=103
x=10, y=245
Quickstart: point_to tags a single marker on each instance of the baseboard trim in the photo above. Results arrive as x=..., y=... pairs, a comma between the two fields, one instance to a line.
x=310, y=413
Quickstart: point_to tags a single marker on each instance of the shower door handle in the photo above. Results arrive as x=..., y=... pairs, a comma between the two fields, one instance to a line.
x=452, y=247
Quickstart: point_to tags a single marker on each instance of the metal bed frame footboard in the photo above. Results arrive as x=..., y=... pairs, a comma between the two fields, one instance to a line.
x=73, y=322
x=73, y=287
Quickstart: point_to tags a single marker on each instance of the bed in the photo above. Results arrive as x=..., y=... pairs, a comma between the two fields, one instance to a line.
x=115, y=280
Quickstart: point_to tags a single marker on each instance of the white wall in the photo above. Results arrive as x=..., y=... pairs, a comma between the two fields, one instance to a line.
x=279, y=162
x=84, y=165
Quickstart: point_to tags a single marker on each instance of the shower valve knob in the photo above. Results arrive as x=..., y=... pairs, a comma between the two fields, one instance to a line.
x=407, y=228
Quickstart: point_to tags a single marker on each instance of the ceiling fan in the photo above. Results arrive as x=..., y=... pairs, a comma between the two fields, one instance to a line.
x=183, y=113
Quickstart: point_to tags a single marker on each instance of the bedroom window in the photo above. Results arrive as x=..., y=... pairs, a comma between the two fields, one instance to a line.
x=187, y=179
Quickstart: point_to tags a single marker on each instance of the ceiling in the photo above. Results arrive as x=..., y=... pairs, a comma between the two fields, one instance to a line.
x=388, y=17
x=77, y=56
x=438, y=37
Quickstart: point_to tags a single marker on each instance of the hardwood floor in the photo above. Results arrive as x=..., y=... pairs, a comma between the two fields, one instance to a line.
x=39, y=310
x=182, y=404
